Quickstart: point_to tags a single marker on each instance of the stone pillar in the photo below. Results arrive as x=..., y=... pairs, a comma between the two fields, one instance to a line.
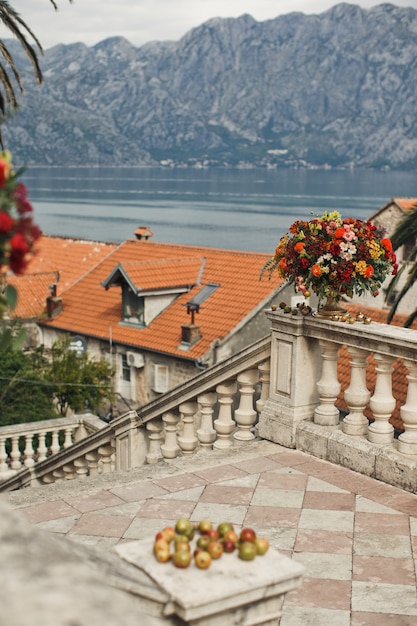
x=407, y=441
x=356, y=395
x=206, y=433
x=154, y=429
x=4, y=468
x=28, y=452
x=265, y=378
x=295, y=364
x=15, y=453
x=224, y=424
x=245, y=415
x=328, y=387
x=42, y=449
x=188, y=441
x=55, y=447
x=170, y=448
x=382, y=402
x=92, y=459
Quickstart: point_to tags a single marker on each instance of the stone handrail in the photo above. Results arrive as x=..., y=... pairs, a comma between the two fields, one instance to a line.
x=166, y=427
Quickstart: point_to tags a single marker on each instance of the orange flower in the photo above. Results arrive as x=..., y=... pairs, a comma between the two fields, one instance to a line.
x=339, y=233
x=386, y=243
x=299, y=246
x=283, y=264
x=369, y=271
x=316, y=270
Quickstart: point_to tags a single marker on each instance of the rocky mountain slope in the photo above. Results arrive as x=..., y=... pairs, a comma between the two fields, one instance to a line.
x=337, y=89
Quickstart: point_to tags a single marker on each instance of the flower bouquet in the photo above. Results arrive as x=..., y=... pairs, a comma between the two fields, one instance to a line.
x=332, y=257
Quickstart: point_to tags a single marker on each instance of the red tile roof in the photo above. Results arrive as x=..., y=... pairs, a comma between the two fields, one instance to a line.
x=91, y=310
x=156, y=275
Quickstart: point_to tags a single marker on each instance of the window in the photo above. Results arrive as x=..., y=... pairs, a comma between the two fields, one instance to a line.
x=125, y=368
x=160, y=378
x=133, y=307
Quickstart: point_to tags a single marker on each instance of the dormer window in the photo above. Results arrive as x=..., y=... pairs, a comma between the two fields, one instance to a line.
x=148, y=288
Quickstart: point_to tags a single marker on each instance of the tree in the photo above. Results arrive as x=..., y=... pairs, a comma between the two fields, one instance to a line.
x=9, y=74
x=404, y=234
x=78, y=381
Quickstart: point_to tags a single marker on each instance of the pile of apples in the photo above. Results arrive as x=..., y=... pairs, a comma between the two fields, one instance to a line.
x=174, y=543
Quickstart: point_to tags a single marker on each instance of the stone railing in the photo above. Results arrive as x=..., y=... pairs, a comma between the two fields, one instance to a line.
x=25, y=445
x=216, y=409
x=302, y=410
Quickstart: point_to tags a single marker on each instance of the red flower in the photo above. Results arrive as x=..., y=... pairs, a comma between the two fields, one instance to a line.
x=339, y=232
x=304, y=263
x=6, y=222
x=386, y=243
x=4, y=171
x=316, y=270
x=18, y=244
x=369, y=271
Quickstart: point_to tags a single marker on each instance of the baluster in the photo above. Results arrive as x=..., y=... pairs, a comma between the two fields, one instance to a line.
x=206, y=433
x=58, y=475
x=55, y=447
x=4, y=468
x=69, y=471
x=154, y=429
x=105, y=458
x=81, y=467
x=407, y=441
x=265, y=379
x=188, y=441
x=15, y=453
x=68, y=437
x=42, y=449
x=328, y=387
x=245, y=415
x=92, y=460
x=382, y=402
x=28, y=452
x=356, y=395
x=224, y=424
x=170, y=448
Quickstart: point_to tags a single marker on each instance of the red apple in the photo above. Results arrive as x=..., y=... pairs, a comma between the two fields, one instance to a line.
x=228, y=545
x=215, y=549
x=247, y=534
x=213, y=534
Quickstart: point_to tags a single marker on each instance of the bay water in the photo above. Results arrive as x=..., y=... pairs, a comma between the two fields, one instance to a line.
x=235, y=209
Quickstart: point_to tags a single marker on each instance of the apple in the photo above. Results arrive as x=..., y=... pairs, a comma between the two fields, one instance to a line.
x=228, y=545
x=182, y=546
x=179, y=538
x=183, y=526
x=202, y=559
x=247, y=534
x=203, y=542
x=215, y=549
x=162, y=555
x=182, y=559
x=169, y=533
x=161, y=544
x=231, y=535
x=213, y=534
x=247, y=551
x=204, y=526
x=224, y=527
x=261, y=545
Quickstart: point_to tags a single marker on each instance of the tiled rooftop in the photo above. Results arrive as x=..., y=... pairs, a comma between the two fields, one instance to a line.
x=356, y=537
x=240, y=292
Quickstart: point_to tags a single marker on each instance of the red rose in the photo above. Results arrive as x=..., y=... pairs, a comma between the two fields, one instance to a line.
x=18, y=244
x=304, y=263
x=6, y=222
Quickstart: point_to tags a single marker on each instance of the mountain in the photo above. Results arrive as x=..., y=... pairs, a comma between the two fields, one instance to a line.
x=337, y=89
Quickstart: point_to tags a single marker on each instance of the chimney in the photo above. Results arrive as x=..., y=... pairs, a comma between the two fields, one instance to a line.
x=143, y=233
x=190, y=333
x=53, y=306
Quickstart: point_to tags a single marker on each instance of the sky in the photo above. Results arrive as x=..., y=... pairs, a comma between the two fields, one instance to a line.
x=141, y=21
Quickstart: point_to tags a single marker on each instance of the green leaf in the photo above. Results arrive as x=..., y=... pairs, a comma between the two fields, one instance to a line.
x=10, y=294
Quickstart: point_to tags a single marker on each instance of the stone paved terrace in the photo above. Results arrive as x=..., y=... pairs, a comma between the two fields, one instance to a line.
x=356, y=537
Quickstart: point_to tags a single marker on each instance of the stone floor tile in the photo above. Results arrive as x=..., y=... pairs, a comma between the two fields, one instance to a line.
x=257, y=465
x=166, y=509
x=248, y=480
x=281, y=480
x=382, y=523
x=325, y=565
x=327, y=520
x=101, y=525
x=290, y=458
x=146, y=527
x=105, y=543
x=365, y=505
x=384, y=570
x=227, y=495
x=94, y=501
x=384, y=598
x=45, y=511
x=180, y=481
x=301, y=616
x=382, y=619
x=220, y=473
x=219, y=513
x=334, y=541
x=127, y=508
x=272, y=516
x=279, y=538
x=338, y=476
x=141, y=490
x=189, y=495
x=61, y=525
x=264, y=496
x=392, y=546
x=414, y=546
x=316, y=484
x=413, y=526
x=329, y=500
x=321, y=593
x=393, y=497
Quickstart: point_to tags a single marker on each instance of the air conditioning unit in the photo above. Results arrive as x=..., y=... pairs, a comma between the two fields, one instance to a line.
x=134, y=359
